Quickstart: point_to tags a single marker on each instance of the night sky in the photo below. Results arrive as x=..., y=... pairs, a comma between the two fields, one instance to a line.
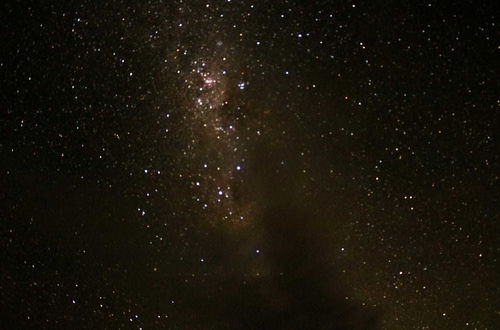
x=235, y=164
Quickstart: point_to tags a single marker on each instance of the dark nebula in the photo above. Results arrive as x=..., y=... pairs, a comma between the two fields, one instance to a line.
x=229, y=164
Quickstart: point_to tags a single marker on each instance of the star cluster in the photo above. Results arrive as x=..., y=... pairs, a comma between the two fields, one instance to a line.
x=234, y=164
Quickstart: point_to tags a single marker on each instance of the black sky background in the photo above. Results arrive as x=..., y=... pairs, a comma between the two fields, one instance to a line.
x=368, y=139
